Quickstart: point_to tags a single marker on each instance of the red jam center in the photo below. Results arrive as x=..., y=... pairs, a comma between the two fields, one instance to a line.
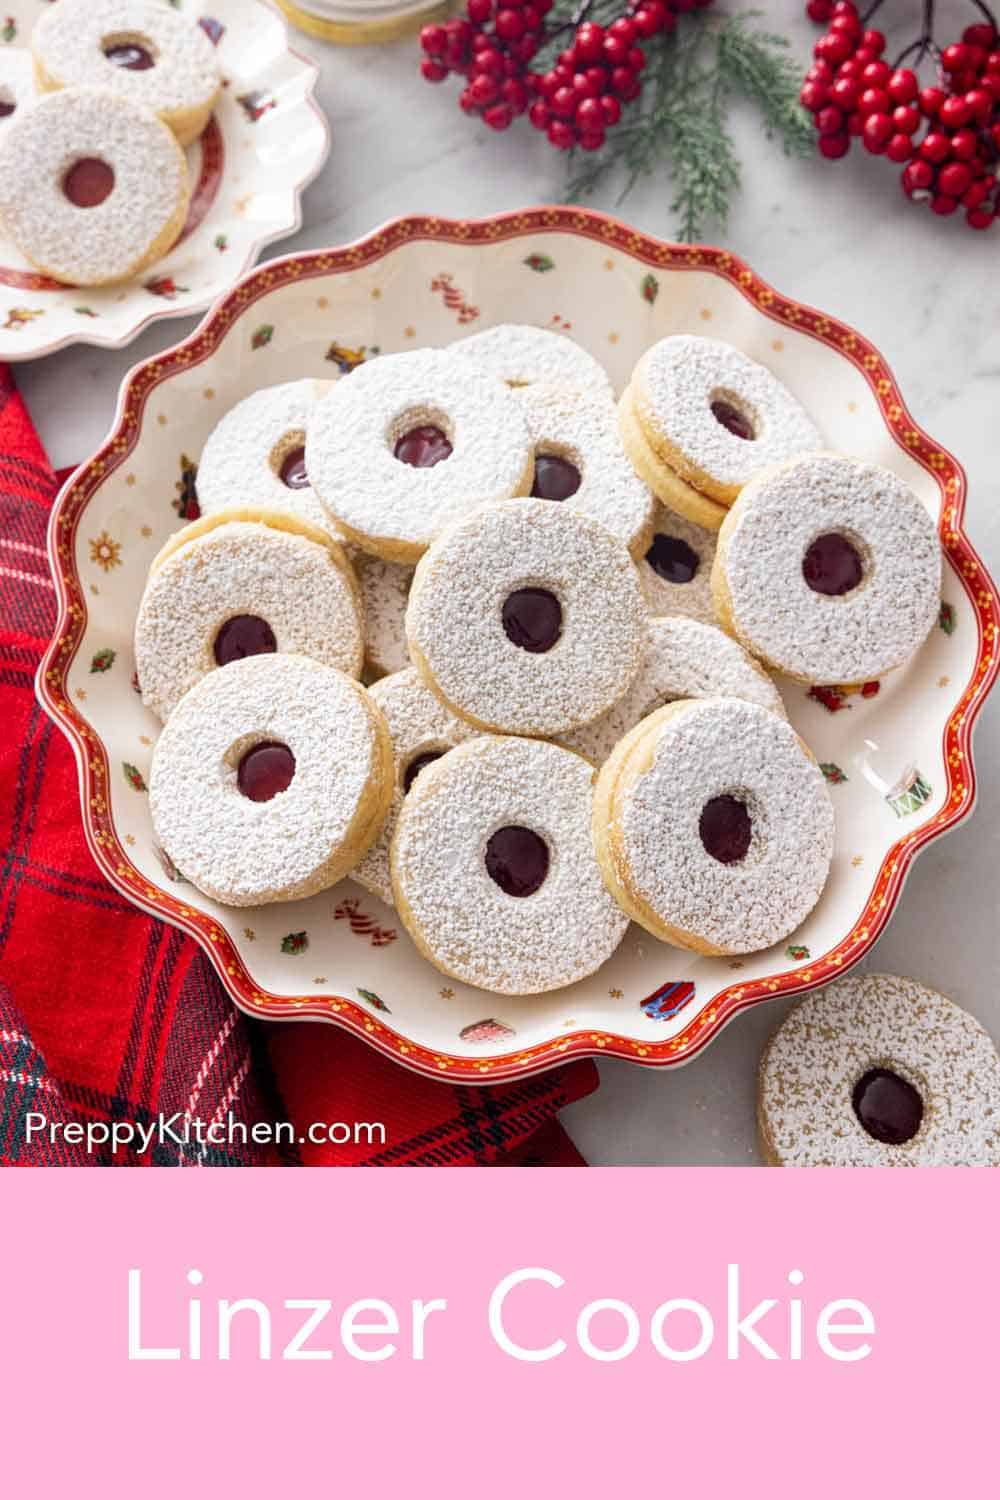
x=725, y=829
x=244, y=635
x=423, y=447
x=832, y=565
x=672, y=559
x=733, y=420
x=131, y=55
x=532, y=619
x=517, y=859
x=293, y=471
x=418, y=764
x=889, y=1108
x=555, y=478
x=265, y=771
x=88, y=182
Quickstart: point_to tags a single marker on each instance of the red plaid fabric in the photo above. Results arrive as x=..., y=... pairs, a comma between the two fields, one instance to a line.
x=107, y=1015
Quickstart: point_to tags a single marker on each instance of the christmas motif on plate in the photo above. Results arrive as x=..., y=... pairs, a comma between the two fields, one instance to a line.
x=946, y=618
x=166, y=287
x=221, y=243
x=539, y=262
x=347, y=359
x=362, y=923
x=834, y=774
x=295, y=942
x=665, y=1003
x=19, y=317
x=85, y=312
x=185, y=501
x=255, y=105
x=103, y=661
x=8, y=33
x=105, y=552
x=133, y=777
x=797, y=952
x=453, y=298
x=489, y=1030
x=937, y=118
x=375, y=1001
x=650, y=288
x=910, y=792
x=262, y=336
x=834, y=699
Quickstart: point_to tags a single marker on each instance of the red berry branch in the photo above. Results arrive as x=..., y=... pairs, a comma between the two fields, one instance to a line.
x=934, y=112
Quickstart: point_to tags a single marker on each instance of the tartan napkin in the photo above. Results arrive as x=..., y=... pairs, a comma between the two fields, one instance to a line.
x=107, y=1015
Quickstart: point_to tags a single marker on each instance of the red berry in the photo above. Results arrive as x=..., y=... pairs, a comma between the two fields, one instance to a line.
x=484, y=88
x=467, y=102
x=954, y=179
x=844, y=93
x=823, y=73
x=980, y=101
x=612, y=109
x=615, y=51
x=516, y=95
x=630, y=88
x=954, y=113
x=906, y=118
x=964, y=145
x=834, y=146
x=976, y=195
x=877, y=133
x=597, y=77
x=433, y=71
x=498, y=116
x=651, y=17
x=626, y=29
x=561, y=135
x=846, y=25
x=509, y=27
x=539, y=115
x=902, y=87
x=592, y=140
x=980, y=35
x=583, y=87
x=900, y=148
x=979, y=218
x=917, y=177
x=833, y=48
x=434, y=39
x=874, y=41
x=525, y=49
x=942, y=204
x=589, y=42
x=589, y=115
x=489, y=61
x=863, y=56
x=849, y=69
x=819, y=11
x=563, y=102
x=955, y=57
x=855, y=123
x=935, y=146
x=931, y=100
x=874, y=102
x=636, y=59
x=531, y=16
x=829, y=121
x=479, y=11
x=815, y=95
x=875, y=75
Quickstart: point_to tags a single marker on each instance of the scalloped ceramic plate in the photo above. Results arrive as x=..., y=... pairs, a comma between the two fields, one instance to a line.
x=897, y=755
x=266, y=141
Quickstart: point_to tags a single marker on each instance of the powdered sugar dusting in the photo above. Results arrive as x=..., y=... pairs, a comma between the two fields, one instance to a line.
x=240, y=568
x=719, y=747
x=583, y=428
x=693, y=598
x=385, y=588
x=104, y=243
x=522, y=355
x=682, y=659
x=241, y=461
x=867, y=1021
x=243, y=852
x=818, y=637
x=352, y=432
x=673, y=387
x=418, y=724
x=454, y=617
x=509, y=944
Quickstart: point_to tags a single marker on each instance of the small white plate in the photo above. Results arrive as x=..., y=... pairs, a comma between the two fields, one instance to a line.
x=266, y=141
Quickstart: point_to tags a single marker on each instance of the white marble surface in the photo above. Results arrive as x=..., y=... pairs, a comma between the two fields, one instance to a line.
x=840, y=236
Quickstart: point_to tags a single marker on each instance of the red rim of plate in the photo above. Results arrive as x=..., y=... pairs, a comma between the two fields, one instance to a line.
x=92, y=760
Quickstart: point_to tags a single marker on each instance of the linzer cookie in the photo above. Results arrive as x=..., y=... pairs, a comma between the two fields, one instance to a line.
x=682, y=659
x=580, y=461
x=92, y=188
x=493, y=867
x=243, y=583
x=520, y=355
x=699, y=419
x=879, y=1071
x=527, y=617
x=385, y=589
x=140, y=50
x=257, y=454
x=713, y=826
x=829, y=569
x=409, y=442
x=270, y=780
x=421, y=730
x=676, y=570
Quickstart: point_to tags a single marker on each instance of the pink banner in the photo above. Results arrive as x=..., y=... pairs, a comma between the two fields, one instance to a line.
x=498, y=1333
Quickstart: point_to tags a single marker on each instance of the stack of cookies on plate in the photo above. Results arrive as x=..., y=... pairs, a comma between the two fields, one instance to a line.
x=94, y=183
x=567, y=612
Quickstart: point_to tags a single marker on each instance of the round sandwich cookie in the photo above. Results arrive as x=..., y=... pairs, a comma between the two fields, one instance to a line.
x=705, y=418
x=257, y=455
x=270, y=780
x=676, y=570
x=879, y=1071
x=243, y=583
x=580, y=461
x=683, y=659
x=527, y=618
x=92, y=188
x=17, y=89
x=520, y=354
x=713, y=826
x=852, y=556
x=493, y=868
x=138, y=50
x=421, y=730
x=409, y=442
x=385, y=590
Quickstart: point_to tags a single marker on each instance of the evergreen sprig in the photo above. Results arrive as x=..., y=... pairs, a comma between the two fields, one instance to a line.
x=689, y=82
